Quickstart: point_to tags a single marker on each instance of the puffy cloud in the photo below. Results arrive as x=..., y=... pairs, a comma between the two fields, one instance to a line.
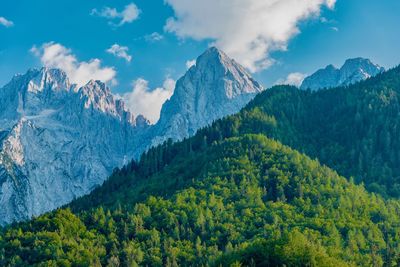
x=190, y=63
x=55, y=55
x=246, y=30
x=129, y=14
x=143, y=100
x=154, y=37
x=120, y=51
x=295, y=79
x=5, y=22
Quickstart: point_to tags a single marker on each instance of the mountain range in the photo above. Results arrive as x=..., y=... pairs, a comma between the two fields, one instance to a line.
x=352, y=71
x=58, y=142
x=296, y=178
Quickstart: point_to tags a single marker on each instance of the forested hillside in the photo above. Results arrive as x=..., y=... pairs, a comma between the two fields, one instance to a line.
x=245, y=199
x=232, y=195
x=354, y=130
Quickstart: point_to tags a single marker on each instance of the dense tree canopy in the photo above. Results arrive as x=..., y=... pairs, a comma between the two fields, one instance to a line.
x=249, y=200
x=354, y=130
x=233, y=196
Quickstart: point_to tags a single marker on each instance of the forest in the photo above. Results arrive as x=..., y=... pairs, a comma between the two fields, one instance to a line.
x=264, y=187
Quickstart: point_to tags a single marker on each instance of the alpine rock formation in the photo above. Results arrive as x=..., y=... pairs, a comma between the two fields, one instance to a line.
x=57, y=141
x=216, y=86
x=353, y=70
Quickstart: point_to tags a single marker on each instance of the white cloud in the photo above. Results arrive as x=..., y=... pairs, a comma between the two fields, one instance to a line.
x=129, y=14
x=246, y=30
x=190, y=63
x=154, y=37
x=5, y=22
x=120, y=51
x=295, y=79
x=55, y=55
x=143, y=100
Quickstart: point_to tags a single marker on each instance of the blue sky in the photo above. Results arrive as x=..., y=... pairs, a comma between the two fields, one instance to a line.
x=330, y=33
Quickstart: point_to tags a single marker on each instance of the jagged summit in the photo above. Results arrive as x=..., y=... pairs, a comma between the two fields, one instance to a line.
x=57, y=141
x=357, y=69
x=216, y=86
x=50, y=87
x=37, y=80
x=352, y=71
x=96, y=84
x=49, y=78
x=213, y=54
x=217, y=60
x=212, y=51
x=330, y=67
x=97, y=95
x=27, y=94
x=360, y=61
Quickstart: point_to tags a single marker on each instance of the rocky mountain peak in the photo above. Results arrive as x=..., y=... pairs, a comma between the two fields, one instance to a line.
x=352, y=71
x=213, y=56
x=58, y=141
x=359, y=62
x=39, y=80
x=330, y=67
x=98, y=95
x=47, y=78
x=215, y=64
x=215, y=87
x=98, y=87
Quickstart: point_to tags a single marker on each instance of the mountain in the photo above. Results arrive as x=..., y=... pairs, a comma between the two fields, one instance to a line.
x=235, y=193
x=353, y=70
x=216, y=86
x=57, y=141
x=353, y=130
x=228, y=196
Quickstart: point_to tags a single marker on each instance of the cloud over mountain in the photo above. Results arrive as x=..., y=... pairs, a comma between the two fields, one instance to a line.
x=246, y=30
x=55, y=55
x=295, y=78
x=146, y=101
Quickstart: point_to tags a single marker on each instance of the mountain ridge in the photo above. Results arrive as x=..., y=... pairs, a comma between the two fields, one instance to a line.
x=49, y=127
x=230, y=194
x=352, y=71
x=216, y=86
x=58, y=141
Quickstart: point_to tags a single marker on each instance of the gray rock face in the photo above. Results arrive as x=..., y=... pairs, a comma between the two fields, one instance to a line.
x=353, y=70
x=58, y=142
x=215, y=87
